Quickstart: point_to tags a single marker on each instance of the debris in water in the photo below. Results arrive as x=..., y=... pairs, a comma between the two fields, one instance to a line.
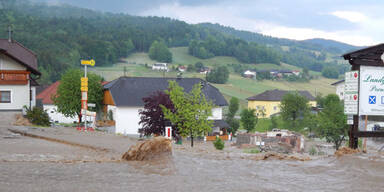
x=21, y=121
x=150, y=149
x=345, y=151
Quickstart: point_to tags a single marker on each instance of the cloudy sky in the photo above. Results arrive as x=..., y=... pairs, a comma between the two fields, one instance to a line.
x=351, y=21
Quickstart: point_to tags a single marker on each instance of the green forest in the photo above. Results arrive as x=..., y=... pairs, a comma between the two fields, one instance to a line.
x=62, y=35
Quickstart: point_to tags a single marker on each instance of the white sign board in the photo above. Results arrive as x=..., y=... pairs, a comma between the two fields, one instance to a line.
x=371, y=90
x=351, y=93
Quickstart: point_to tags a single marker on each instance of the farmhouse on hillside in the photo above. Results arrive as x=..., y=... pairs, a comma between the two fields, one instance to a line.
x=160, y=66
x=269, y=101
x=124, y=97
x=18, y=74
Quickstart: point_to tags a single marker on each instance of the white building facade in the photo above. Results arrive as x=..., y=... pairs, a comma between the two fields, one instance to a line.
x=17, y=88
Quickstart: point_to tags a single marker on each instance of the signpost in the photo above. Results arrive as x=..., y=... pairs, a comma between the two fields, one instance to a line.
x=351, y=93
x=84, y=91
x=369, y=62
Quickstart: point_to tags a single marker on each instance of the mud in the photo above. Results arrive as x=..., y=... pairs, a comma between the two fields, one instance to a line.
x=21, y=121
x=155, y=148
x=346, y=151
x=31, y=164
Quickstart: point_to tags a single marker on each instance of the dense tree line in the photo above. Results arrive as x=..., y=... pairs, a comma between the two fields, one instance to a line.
x=241, y=50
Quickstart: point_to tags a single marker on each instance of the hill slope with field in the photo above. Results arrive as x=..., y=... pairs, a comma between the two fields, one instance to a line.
x=138, y=65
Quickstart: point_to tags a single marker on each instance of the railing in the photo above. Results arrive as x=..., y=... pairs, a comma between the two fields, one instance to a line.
x=14, y=77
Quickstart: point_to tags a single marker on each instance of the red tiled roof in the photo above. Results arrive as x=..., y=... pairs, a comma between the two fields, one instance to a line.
x=47, y=94
x=20, y=53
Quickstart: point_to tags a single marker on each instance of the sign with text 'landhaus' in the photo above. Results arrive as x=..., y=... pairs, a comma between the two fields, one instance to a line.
x=371, y=90
x=351, y=93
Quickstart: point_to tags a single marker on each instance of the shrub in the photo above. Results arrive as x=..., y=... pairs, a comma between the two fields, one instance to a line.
x=38, y=116
x=218, y=143
x=313, y=151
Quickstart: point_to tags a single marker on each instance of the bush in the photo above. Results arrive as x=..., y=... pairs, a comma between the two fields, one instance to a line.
x=313, y=151
x=218, y=143
x=38, y=116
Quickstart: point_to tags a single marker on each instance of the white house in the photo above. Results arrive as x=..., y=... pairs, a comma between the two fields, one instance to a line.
x=17, y=84
x=340, y=86
x=46, y=98
x=250, y=74
x=124, y=97
x=160, y=66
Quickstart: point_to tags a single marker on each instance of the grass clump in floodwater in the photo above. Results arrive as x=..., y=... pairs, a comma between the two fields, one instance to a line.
x=313, y=151
x=252, y=150
x=218, y=143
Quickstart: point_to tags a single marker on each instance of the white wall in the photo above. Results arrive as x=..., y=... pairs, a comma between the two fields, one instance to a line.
x=56, y=116
x=217, y=114
x=340, y=90
x=7, y=63
x=33, y=101
x=19, y=93
x=127, y=120
x=19, y=97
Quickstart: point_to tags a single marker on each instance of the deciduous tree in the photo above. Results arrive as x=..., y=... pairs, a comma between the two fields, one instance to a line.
x=332, y=121
x=293, y=107
x=152, y=116
x=248, y=119
x=191, y=111
x=68, y=95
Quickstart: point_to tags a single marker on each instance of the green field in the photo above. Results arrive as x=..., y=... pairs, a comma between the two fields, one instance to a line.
x=138, y=64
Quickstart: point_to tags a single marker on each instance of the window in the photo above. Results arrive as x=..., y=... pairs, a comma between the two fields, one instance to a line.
x=5, y=96
x=275, y=108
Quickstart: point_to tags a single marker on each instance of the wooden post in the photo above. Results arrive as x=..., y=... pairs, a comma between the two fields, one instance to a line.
x=353, y=138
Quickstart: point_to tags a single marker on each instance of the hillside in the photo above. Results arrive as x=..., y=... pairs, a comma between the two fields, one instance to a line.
x=61, y=35
x=138, y=64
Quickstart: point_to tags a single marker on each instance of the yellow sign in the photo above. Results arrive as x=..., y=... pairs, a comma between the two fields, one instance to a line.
x=84, y=79
x=88, y=62
x=85, y=89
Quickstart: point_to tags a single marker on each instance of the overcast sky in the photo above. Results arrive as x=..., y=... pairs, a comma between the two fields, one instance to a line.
x=351, y=21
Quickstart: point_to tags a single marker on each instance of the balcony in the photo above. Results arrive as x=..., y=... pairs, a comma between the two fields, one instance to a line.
x=14, y=77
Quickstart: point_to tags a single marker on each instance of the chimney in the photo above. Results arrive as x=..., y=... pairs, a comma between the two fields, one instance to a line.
x=9, y=34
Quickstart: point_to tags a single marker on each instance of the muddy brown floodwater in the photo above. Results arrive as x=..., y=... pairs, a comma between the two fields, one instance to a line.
x=198, y=169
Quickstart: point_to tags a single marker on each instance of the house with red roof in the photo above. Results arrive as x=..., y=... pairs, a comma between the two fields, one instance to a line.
x=46, y=99
x=18, y=74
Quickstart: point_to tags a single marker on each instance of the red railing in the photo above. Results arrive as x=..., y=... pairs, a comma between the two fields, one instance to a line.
x=14, y=77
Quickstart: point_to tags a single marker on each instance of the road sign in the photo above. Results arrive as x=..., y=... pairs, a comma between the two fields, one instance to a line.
x=91, y=105
x=84, y=95
x=88, y=62
x=84, y=104
x=351, y=93
x=371, y=90
x=84, y=89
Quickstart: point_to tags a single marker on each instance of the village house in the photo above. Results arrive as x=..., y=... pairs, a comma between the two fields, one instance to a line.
x=46, y=99
x=182, y=68
x=18, y=74
x=160, y=66
x=124, y=97
x=268, y=102
x=249, y=74
x=340, y=86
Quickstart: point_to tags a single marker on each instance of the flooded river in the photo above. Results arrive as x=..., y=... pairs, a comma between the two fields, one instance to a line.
x=29, y=164
x=198, y=173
